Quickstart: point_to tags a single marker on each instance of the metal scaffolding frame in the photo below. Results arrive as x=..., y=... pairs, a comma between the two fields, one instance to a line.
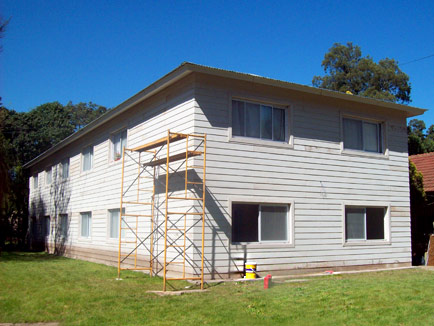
x=153, y=149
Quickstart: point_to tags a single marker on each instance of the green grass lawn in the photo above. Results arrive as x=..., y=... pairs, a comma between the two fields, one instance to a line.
x=44, y=288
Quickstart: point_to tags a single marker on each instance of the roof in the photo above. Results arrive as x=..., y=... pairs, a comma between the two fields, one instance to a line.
x=425, y=164
x=187, y=68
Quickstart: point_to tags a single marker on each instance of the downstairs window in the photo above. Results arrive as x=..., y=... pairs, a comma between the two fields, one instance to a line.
x=260, y=222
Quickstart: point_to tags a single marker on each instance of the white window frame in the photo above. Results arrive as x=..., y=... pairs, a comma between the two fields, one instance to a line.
x=49, y=172
x=366, y=242
x=35, y=183
x=356, y=152
x=289, y=139
x=81, y=224
x=109, y=237
x=92, y=150
x=63, y=229
x=62, y=166
x=112, y=144
x=265, y=202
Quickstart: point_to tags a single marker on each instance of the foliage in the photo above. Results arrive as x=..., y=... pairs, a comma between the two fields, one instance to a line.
x=43, y=288
x=346, y=70
x=420, y=139
x=23, y=136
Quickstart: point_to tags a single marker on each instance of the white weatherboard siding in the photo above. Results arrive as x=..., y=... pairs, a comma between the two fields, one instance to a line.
x=312, y=173
x=98, y=190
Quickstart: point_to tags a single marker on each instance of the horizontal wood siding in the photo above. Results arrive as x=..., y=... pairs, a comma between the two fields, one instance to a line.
x=313, y=173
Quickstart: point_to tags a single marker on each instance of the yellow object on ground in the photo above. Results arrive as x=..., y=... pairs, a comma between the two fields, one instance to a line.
x=250, y=269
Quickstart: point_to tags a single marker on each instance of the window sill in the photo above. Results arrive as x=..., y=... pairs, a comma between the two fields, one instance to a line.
x=263, y=142
x=261, y=245
x=358, y=243
x=354, y=152
x=84, y=239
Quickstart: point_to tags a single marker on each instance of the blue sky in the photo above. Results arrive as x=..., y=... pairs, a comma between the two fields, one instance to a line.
x=106, y=51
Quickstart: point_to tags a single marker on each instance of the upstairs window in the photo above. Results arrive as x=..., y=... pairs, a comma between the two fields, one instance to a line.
x=260, y=222
x=48, y=176
x=35, y=181
x=258, y=121
x=119, y=141
x=65, y=168
x=365, y=223
x=363, y=135
x=87, y=158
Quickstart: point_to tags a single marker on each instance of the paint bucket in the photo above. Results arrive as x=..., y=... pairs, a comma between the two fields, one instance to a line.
x=250, y=269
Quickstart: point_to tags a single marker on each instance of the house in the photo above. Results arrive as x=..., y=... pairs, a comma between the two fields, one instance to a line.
x=422, y=209
x=297, y=178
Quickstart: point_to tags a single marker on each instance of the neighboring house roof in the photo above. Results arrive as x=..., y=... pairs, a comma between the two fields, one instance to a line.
x=187, y=68
x=425, y=165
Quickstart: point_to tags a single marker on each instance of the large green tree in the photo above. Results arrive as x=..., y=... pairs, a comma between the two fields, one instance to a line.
x=23, y=136
x=348, y=71
x=420, y=139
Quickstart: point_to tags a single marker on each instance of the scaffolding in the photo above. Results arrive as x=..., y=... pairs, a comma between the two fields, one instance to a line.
x=134, y=208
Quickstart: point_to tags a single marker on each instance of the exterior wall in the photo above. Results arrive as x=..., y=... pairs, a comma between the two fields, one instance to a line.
x=311, y=173
x=98, y=190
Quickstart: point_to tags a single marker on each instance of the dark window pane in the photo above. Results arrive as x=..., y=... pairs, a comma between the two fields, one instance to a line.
x=278, y=124
x=374, y=223
x=238, y=118
x=245, y=222
x=355, y=223
x=274, y=223
x=353, y=138
x=252, y=120
x=266, y=122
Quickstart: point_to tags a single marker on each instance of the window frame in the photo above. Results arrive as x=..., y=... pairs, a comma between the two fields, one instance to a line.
x=365, y=119
x=62, y=165
x=92, y=147
x=112, y=144
x=290, y=204
x=49, y=172
x=63, y=229
x=89, y=236
x=35, y=181
x=109, y=237
x=367, y=242
x=289, y=139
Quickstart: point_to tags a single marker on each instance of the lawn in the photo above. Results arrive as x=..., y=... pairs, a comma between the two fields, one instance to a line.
x=44, y=288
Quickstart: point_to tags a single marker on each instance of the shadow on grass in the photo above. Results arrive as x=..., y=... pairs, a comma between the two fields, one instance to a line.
x=28, y=257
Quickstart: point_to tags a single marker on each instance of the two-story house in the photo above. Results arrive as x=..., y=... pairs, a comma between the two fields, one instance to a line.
x=297, y=178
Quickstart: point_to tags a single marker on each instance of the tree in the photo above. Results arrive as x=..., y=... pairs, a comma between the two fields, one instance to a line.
x=347, y=71
x=420, y=139
x=23, y=136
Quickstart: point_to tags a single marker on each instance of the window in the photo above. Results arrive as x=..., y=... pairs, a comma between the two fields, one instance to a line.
x=259, y=222
x=63, y=225
x=362, y=135
x=48, y=176
x=35, y=181
x=65, y=168
x=365, y=223
x=114, y=224
x=46, y=226
x=258, y=121
x=119, y=141
x=86, y=224
x=87, y=158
